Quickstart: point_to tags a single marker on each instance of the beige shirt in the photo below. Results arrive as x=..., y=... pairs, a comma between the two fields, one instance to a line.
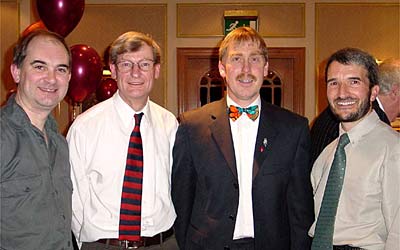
x=370, y=196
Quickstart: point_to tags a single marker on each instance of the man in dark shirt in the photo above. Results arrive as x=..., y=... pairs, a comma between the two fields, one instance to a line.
x=35, y=185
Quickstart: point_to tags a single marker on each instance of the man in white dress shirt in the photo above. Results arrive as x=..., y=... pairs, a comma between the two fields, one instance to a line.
x=369, y=199
x=98, y=141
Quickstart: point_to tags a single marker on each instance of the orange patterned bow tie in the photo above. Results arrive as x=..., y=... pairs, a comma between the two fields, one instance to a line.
x=235, y=112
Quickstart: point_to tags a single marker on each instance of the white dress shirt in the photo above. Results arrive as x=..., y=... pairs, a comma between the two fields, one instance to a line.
x=370, y=197
x=244, y=135
x=98, y=141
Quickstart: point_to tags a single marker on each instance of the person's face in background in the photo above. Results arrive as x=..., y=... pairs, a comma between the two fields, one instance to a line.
x=43, y=76
x=243, y=68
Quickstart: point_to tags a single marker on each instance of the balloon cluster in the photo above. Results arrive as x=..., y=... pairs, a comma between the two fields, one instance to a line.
x=62, y=16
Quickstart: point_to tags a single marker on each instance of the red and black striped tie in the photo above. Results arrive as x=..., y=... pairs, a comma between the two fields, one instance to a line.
x=129, y=223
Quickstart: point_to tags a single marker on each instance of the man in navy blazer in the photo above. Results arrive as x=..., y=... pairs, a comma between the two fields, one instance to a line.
x=242, y=183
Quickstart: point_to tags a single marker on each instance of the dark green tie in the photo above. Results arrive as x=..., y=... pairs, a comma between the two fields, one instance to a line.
x=323, y=236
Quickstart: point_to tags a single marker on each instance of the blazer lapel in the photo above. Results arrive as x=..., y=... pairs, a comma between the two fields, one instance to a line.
x=266, y=137
x=221, y=132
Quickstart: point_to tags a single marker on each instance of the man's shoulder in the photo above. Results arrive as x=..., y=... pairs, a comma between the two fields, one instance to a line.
x=209, y=109
x=386, y=134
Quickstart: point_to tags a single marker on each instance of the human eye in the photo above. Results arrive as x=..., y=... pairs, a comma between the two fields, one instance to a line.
x=332, y=83
x=236, y=59
x=125, y=66
x=39, y=67
x=145, y=65
x=355, y=82
x=256, y=59
x=62, y=70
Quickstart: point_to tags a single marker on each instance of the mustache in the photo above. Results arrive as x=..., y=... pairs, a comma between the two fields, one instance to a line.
x=243, y=76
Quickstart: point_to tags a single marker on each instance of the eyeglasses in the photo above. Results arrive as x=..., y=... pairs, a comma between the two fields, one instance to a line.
x=127, y=66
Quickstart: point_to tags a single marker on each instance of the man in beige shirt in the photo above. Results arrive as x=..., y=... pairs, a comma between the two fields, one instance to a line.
x=369, y=199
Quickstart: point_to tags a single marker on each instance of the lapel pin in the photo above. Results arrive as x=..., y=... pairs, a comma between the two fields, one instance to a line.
x=265, y=143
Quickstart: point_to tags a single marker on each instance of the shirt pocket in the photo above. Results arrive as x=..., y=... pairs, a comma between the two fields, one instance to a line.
x=17, y=188
x=20, y=199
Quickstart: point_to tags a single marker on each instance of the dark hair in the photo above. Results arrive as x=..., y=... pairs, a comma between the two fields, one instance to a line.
x=242, y=34
x=348, y=56
x=130, y=42
x=23, y=43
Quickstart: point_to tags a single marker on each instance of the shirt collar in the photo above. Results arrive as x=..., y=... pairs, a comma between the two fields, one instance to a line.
x=257, y=101
x=362, y=128
x=20, y=118
x=380, y=104
x=126, y=113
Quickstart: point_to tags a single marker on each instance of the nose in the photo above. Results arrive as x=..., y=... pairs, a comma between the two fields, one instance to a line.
x=342, y=90
x=51, y=76
x=135, y=69
x=246, y=66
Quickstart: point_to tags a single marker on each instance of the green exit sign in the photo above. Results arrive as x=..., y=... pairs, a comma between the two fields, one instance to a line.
x=237, y=18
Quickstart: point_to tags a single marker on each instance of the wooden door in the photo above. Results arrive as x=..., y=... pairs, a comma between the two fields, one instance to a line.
x=199, y=81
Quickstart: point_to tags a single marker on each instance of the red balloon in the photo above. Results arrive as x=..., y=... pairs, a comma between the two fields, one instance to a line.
x=34, y=26
x=86, y=72
x=60, y=16
x=106, y=89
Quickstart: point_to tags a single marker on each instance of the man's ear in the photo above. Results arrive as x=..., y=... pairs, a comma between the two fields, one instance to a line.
x=266, y=69
x=15, y=72
x=113, y=71
x=157, y=68
x=395, y=91
x=221, y=69
x=374, y=93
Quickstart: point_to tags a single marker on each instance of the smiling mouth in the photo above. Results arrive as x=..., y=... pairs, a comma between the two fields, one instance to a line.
x=135, y=83
x=247, y=80
x=345, y=103
x=48, y=90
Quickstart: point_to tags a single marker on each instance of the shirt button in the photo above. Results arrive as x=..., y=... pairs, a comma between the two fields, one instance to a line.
x=227, y=248
x=235, y=185
x=63, y=217
x=231, y=217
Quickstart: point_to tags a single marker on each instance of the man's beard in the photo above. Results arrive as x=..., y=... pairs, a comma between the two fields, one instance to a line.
x=355, y=116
